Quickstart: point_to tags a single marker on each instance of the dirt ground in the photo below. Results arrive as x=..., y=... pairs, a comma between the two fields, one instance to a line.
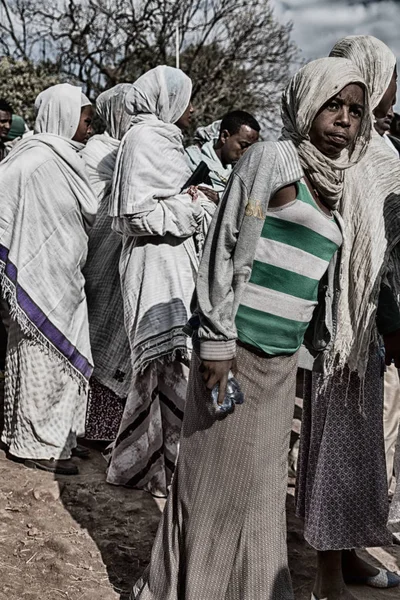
x=78, y=538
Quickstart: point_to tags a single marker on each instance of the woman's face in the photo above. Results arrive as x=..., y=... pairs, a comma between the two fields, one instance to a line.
x=84, y=130
x=184, y=121
x=388, y=99
x=338, y=122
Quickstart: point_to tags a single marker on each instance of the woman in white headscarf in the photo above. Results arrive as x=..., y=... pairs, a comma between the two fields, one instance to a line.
x=158, y=268
x=110, y=346
x=271, y=242
x=47, y=206
x=342, y=492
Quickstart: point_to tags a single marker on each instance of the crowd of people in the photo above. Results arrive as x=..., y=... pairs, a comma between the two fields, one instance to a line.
x=139, y=276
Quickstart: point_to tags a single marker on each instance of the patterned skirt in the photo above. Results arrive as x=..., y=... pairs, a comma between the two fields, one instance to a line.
x=222, y=535
x=342, y=490
x=104, y=413
x=44, y=408
x=146, y=448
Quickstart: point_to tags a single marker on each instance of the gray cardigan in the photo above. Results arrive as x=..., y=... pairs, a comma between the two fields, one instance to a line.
x=231, y=245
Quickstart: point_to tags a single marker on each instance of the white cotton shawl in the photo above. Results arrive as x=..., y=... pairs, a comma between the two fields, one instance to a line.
x=370, y=207
x=156, y=101
x=300, y=105
x=208, y=133
x=158, y=260
x=58, y=110
x=111, y=108
x=45, y=204
x=101, y=151
x=110, y=345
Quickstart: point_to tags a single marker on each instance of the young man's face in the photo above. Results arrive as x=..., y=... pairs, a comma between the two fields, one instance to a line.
x=235, y=145
x=5, y=124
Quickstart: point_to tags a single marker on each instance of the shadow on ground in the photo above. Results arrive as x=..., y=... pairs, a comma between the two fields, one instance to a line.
x=121, y=522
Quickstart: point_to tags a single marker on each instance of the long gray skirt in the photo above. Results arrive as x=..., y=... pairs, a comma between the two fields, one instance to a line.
x=223, y=532
x=342, y=490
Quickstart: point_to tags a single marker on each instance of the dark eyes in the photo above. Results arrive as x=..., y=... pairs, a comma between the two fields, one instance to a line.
x=354, y=110
x=333, y=105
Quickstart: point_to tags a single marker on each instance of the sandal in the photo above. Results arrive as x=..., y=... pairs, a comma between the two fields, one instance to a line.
x=384, y=579
x=59, y=467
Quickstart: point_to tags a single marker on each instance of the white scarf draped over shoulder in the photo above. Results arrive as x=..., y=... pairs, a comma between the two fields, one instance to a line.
x=370, y=208
x=158, y=261
x=46, y=204
x=100, y=153
x=208, y=133
x=301, y=103
x=151, y=162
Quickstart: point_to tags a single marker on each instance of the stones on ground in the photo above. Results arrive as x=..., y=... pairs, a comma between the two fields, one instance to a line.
x=47, y=492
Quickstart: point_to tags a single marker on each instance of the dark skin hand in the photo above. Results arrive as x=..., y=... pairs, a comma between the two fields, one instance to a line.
x=211, y=194
x=392, y=348
x=217, y=371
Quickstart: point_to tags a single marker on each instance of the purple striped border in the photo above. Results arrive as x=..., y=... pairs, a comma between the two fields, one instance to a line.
x=41, y=322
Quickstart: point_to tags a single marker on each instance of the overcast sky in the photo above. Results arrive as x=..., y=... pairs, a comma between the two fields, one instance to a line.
x=318, y=24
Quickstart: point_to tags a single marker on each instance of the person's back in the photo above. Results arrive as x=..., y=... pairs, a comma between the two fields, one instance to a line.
x=158, y=263
x=110, y=346
x=47, y=204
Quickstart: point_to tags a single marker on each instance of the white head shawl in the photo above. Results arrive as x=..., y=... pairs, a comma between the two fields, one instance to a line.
x=59, y=110
x=85, y=100
x=150, y=162
x=164, y=92
x=100, y=153
x=306, y=93
x=110, y=106
x=374, y=59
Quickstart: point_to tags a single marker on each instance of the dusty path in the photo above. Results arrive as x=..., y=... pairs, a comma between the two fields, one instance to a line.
x=78, y=538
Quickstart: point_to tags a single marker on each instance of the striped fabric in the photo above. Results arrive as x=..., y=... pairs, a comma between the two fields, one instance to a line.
x=296, y=245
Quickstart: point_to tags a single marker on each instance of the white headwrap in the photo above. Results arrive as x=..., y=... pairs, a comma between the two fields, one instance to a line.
x=156, y=100
x=85, y=100
x=59, y=110
x=374, y=59
x=306, y=93
x=164, y=92
x=370, y=208
x=100, y=153
x=110, y=106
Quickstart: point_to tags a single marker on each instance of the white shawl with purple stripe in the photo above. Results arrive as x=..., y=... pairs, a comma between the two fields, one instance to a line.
x=46, y=204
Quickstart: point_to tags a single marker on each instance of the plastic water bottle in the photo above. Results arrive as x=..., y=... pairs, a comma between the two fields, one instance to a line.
x=233, y=395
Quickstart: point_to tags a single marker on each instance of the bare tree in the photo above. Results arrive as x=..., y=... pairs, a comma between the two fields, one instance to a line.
x=234, y=50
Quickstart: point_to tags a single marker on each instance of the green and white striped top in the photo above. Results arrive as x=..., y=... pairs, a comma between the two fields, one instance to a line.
x=296, y=245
